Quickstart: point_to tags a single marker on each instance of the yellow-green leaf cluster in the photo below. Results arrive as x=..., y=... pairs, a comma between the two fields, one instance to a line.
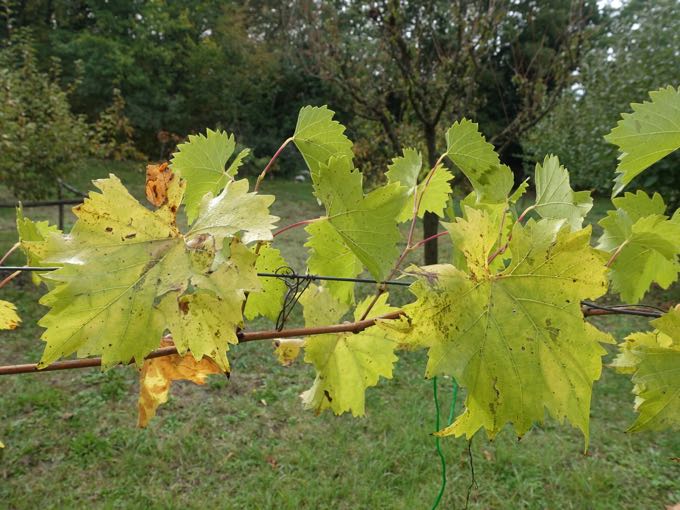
x=514, y=337
x=653, y=359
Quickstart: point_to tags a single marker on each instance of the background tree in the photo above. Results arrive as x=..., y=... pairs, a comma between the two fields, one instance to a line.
x=41, y=139
x=412, y=68
x=634, y=54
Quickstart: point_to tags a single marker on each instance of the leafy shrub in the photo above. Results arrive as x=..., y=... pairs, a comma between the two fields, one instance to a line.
x=40, y=138
x=113, y=134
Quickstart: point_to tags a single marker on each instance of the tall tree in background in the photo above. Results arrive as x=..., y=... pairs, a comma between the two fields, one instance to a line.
x=412, y=67
x=636, y=52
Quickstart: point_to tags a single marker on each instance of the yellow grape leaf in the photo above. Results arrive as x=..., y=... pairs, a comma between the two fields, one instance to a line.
x=33, y=238
x=8, y=315
x=346, y=363
x=288, y=349
x=269, y=300
x=157, y=375
x=514, y=336
x=653, y=359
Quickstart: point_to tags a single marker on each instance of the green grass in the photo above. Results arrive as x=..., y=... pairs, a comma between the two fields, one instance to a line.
x=246, y=442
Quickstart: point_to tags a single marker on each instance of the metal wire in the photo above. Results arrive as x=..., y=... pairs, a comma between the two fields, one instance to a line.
x=297, y=285
x=289, y=275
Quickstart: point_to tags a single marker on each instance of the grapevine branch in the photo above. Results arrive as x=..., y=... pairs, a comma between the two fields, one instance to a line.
x=417, y=200
x=243, y=336
x=588, y=309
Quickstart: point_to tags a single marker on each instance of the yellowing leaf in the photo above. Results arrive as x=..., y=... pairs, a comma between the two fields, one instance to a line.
x=647, y=135
x=318, y=137
x=654, y=360
x=8, y=315
x=124, y=266
x=201, y=162
x=406, y=170
x=205, y=321
x=269, y=300
x=554, y=197
x=33, y=236
x=515, y=338
x=346, y=363
x=288, y=349
x=116, y=260
x=476, y=158
x=366, y=223
x=157, y=375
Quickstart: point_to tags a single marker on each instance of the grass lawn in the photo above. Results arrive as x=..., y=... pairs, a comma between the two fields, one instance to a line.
x=246, y=442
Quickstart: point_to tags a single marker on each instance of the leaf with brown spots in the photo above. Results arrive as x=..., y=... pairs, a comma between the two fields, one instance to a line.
x=8, y=315
x=157, y=375
x=121, y=261
x=514, y=336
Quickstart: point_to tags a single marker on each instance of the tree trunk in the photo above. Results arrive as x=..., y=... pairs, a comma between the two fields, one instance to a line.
x=430, y=221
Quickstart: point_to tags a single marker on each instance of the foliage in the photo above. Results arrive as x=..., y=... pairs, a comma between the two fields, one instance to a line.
x=630, y=57
x=505, y=319
x=41, y=139
x=653, y=358
x=112, y=136
x=647, y=135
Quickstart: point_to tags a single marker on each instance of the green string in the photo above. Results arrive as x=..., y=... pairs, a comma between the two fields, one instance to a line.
x=437, y=439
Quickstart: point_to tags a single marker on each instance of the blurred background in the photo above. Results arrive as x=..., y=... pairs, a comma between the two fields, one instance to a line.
x=129, y=79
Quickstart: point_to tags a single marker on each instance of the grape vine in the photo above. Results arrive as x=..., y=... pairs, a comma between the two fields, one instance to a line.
x=506, y=317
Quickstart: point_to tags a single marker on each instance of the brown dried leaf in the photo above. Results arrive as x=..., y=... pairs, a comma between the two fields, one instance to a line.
x=157, y=375
x=157, y=179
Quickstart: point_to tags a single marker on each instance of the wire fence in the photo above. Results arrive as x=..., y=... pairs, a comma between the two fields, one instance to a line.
x=60, y=202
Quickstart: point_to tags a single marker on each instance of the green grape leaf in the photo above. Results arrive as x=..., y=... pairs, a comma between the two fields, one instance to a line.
x=235, y=210
x=477, y=159
x=120, y=258
x=646, y=244
x=116, y=260
x=32, y=236
x=201, y=163
x=346, y=363
x=318, y=137
x=405, y=170
x=9, y=319
x=519, y=192
x=205, y=321
x=554, y=197
x=268, y=301
x=647, y=135
x=654, y=359
x=329, y=255
x=640, y=204
x=366, y=223
x=515, y=338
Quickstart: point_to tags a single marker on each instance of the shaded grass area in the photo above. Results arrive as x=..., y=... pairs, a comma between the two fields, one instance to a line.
x=246, y=442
